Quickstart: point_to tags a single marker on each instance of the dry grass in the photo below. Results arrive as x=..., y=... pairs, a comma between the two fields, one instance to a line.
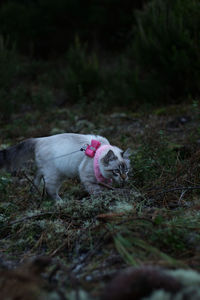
x=157, y=222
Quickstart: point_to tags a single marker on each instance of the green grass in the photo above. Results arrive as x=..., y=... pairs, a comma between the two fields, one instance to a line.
x=122, y=96
x=156, y=224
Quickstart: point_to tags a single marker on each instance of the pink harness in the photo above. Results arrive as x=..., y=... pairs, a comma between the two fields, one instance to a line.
x=95, y=150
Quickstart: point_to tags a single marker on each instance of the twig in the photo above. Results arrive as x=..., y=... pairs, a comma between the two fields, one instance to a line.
x=181, y=196
x=34, y=216
x=186, y=188
x=31, y=181
x=54, y=252
x=43, y=193
x=135, y=219
x=106, y=185
x=92, y=252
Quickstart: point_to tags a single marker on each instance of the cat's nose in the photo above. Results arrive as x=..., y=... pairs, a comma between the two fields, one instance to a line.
x=123, y=176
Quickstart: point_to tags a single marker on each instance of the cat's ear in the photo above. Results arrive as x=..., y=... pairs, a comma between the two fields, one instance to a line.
x=109, y=157
x=127, y=153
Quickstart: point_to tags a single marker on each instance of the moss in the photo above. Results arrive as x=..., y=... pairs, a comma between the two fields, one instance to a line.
x=95, y=236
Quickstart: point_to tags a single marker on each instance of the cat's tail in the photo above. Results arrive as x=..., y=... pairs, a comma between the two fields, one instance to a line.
x=14, y=157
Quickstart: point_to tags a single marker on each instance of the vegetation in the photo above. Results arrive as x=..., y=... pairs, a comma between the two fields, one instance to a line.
x=133, y=79
x=166, y=47
x=155, y=222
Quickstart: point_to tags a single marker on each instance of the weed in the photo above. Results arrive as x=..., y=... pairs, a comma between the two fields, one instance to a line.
x=42, y=98
x=151, y=222
x=166, y=49
x=153, y=158
x=82, y=74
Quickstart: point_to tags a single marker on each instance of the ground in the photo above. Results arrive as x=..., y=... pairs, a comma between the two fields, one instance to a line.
x=85, y=242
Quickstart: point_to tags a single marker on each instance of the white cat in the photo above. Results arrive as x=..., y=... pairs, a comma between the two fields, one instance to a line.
x=61, y=156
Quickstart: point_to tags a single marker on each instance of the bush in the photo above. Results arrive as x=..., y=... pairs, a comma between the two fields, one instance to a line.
x=44, y=27
x=166, y=48
x=9, y=65
x=4, y=183
x=82, y=76
x=154, y=160
x=20, y=87
x=9, y=68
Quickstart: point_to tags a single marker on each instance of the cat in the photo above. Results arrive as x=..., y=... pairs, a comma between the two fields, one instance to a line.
x=63, y=156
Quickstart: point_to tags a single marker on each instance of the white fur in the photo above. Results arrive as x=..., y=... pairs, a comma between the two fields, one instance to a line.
x=55, y=165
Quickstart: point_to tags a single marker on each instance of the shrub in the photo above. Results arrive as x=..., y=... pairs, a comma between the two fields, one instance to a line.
x=82, y=76
x=166, y=48
x=9, y=65
x=20, y=87
x=4, y=183
x=9, y=68
x=41, y=97
x=44, y=27
x=154, y=160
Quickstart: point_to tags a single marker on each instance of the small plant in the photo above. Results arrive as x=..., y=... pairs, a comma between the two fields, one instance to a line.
x=166, y=48
x=9, y=64
x=136, y=248
x=9, y=68
x=82, y=75
x=4, y=183
x=154, y=159
x=42, y=98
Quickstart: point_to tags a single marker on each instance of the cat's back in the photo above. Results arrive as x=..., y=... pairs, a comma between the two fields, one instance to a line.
x=60, y=144
x=71, y=139
x=99, y=138
x=62, y=153
x=82, y=139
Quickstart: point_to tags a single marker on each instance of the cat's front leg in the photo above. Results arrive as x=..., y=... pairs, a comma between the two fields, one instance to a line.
x=86, y=174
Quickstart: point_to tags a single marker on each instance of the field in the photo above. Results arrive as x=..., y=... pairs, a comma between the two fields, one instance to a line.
x=81, y=245
x=129, y=71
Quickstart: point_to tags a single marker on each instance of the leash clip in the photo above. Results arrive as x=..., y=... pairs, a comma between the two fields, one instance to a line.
x=84, y=147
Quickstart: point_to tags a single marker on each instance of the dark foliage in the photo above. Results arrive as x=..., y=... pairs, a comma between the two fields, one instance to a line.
x=105, y=53
x=47, y=26
x=166, y=49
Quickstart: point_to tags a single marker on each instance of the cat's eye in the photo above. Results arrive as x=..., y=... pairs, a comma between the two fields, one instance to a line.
x=116, y=172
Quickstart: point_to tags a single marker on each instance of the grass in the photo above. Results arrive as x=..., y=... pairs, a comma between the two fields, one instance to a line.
x=155, y=224
x=118, y=95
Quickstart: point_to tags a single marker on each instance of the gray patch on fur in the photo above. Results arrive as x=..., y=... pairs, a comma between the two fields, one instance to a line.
x=14, y=157
x=109, y=157
x=122, y=167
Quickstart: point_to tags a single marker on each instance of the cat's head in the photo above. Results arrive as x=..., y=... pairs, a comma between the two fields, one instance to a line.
x=115, y=164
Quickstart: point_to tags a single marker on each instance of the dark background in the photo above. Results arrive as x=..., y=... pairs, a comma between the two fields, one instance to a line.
x=113, y=52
